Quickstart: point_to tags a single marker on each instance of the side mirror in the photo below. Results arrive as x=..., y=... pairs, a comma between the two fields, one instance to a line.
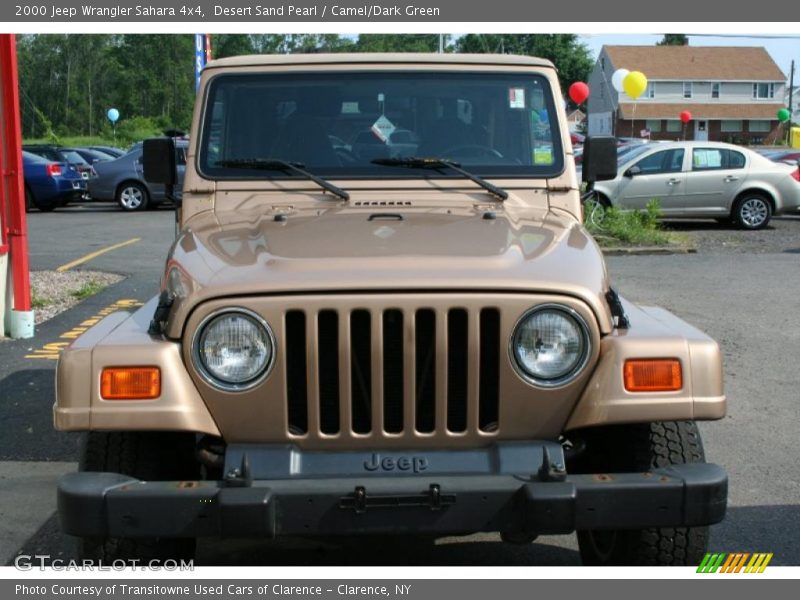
x=634, y=170
x=599, y=158
x=158, y=161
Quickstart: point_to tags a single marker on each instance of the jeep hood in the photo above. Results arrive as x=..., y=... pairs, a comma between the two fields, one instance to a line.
x=381, y=249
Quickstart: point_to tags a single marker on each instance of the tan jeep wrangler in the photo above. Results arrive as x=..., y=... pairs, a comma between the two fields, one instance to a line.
x=382, y=315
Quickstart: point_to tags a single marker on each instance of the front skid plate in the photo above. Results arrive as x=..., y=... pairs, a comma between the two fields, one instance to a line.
x=99, y=504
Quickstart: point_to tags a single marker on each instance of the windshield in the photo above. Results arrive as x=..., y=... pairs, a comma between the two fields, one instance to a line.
x=73, y=157
x=628, y=153
x=337, y=124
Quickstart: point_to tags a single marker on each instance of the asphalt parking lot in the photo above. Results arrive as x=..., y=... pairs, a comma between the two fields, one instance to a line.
x=742, y=288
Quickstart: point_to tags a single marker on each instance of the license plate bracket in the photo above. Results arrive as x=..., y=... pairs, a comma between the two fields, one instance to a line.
x=433, y=499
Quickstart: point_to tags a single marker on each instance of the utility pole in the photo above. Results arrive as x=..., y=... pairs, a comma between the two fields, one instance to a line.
x=791, y=107
x=441, y=43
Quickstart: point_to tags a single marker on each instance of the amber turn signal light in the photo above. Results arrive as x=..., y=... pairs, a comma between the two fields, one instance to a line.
x=653, y=375
x=130, y=383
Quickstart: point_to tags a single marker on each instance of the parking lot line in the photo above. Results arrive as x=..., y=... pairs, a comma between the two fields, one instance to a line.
x=95, y=254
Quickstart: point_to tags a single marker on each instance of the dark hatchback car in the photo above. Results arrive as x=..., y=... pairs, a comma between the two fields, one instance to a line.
x=110, y=150
x=92, y=156
x=60, y=154
x=50, y=185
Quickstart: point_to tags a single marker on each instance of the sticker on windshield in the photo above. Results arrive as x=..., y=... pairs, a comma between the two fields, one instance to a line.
x=516, y=98
x=543, y=155
x=383, y=128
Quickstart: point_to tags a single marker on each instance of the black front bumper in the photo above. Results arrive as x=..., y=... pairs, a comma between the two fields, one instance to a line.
x=545, y=502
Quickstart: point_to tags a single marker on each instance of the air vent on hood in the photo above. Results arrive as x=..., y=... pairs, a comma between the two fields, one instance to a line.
x=383, y=203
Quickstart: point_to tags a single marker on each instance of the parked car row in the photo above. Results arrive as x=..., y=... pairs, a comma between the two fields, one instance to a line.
x=52, y=175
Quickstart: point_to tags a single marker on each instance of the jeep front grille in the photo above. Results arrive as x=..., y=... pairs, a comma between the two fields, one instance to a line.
x=387, y=372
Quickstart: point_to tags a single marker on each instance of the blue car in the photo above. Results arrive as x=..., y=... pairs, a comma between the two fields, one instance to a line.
x=48, y=184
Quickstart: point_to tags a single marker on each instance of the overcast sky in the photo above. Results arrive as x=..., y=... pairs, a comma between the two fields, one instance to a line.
x=782, y=50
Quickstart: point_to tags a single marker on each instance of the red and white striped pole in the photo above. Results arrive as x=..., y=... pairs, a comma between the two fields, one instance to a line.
x=18, y=315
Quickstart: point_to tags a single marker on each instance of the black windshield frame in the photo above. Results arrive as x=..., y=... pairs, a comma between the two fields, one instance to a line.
x=373, y=172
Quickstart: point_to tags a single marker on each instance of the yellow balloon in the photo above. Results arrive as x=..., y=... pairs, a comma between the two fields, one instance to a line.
x=634, y=84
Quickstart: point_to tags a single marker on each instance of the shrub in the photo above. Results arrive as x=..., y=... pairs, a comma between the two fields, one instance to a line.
x=136, y=129
x=635, y=227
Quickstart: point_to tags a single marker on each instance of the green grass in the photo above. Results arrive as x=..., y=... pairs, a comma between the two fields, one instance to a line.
x=90, y=288
x=37, y=301
x=629, y=227
x=80, y=141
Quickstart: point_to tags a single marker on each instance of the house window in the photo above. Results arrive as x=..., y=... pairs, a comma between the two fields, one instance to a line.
x=731, y=126
x=687, y=89
x=763, y=91
x=674, y=125
x=654, y=125
x=715, y=90
x=759, y=126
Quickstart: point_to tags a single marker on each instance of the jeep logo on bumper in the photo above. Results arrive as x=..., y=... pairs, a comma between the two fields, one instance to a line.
x=417, y=464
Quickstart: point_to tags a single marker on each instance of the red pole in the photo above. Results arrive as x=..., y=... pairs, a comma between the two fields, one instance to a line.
x=12, y=175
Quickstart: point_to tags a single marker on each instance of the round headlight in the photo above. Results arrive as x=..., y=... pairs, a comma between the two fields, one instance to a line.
x=234, y=349
x=550, y=345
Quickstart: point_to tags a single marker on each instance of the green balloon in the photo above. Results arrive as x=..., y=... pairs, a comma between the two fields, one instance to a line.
x=783, y=115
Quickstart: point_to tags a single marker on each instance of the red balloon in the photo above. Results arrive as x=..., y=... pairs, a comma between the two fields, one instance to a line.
x=686, y=116
x=578, y=92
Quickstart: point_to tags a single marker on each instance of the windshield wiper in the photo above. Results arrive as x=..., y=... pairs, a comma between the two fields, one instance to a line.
x=276, y=164
x=414, y=162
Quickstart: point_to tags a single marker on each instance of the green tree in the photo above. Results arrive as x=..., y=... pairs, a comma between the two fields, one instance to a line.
x=571, y=57
x=155, y=78
x=381, y=42
x=63, y=80
x=232, y=44
x=674, y=39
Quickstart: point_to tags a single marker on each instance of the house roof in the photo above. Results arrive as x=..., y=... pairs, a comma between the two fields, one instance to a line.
x=666, y=110
x=706, y=63
x=576, y=113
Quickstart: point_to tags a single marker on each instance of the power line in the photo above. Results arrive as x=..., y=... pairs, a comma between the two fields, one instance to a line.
x=745, y=36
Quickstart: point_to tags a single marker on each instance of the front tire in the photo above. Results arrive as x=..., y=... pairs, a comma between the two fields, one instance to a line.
x=752, y=211
x=153, y=456
x=634, y=448
x=133, y=196
x=595, y=210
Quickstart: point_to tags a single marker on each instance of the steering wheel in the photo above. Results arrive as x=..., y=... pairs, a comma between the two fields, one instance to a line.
x=471, y=151
x=345, y=156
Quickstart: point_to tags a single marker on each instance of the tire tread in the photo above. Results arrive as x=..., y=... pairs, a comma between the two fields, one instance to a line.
x=641, y=447
x=140, y=455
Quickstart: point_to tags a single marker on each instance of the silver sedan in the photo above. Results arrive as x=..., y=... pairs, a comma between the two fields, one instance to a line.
x=704, y=180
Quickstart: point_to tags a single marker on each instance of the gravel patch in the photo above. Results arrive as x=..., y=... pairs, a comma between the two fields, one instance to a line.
x=53, y=292
x=782, y=235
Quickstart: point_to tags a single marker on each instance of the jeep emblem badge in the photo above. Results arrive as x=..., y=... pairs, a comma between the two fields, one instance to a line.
x=376, y=462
